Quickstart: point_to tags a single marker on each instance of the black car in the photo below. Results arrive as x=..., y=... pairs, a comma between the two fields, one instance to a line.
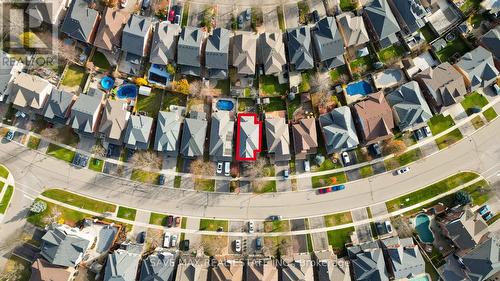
x=258, y=243
x=161, y=179
x=170, y=221
x=141, y=238
x=184, y=245
x=375, y=148
x=145, y=4
x=315, y=16
x=110, y=149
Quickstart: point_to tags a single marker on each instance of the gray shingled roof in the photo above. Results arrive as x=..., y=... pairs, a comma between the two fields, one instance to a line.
x=328, y=42
x=221, y=136
x=189, y=50
x=8, y=71
x=192, y=270
x=491, y=40
x=409, y=106
x=158, y=267
x=250, y=136
x=164, y=46
x=193, y=137
x=30, y=92
x=80, y=21
x=135, y=35
x=338, y=129
x=483, y=261
x=168, y=129
x=479, y=68
x=122, y=265
x=48, y=11
x=467, y=231
x=62, y=247
x=405, y=258
x=58, y=105
x=370, y=266
x=300, y=54
x=412, y=14
x=84, y=110
x=353, y=29
x=381, y=18
x=244, y=53
x=114, y=121
x=138, y=132
x=278, y=138
x=299, y=269
x=217, y=53
x=271, y=53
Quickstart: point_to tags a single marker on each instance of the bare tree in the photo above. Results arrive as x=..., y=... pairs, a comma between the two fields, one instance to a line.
x=50, y=133
x=146, y=160
x=256, y=170
x=320, y=82
x=110, y=3
x=196, y=89
x=98, y=150
x=391, y=146
x=199, y=167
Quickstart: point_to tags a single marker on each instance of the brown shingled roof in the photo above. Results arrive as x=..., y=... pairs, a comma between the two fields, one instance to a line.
x=375, y=118
x=110, y=29
x=305, y=138
x=43, y=270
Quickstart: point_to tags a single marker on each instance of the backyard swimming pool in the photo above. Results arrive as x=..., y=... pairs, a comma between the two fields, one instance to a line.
x=359, y=88
x=225, y=105
x=127, y=91
x=420, y=278
x=107, y=83
x=422, y=226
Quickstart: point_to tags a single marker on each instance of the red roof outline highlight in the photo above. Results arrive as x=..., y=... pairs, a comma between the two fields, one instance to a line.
x=238, y=133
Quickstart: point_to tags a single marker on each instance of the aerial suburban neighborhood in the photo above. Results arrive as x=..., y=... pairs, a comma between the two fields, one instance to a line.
x=297, y=140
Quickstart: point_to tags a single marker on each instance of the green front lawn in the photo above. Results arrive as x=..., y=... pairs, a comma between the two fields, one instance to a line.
x=3, y=172
x=348, y=5
x=430, y=191
x=457, y=46
x=75, y=76
x=366, y=171
x=403, y=159
x=126, y=213
x=449, y=139
x=391, y=53
x=469, y=6
x=427, y=32
x=477, y=122
x=440, y=123
x=172, y=98
x=338, y=238
x=6, y=199
x=79, y=201
x=304, y=85
x=60, y=152
x=330, y=179
x=204, y=185
x=101, y=61
x=177, y=181
x=338, y=219
x=158, y=219
x=277, y=226
x=144, y=176
x=473, y=100
x=55, y=213
x=479, y=192
x=328, y=164
x=267, y=186
x=490, y=114
x=149, y=104
x=275, y=104
x=213, y=225
x=96, y=164
x=270, y=86
x=33, y=142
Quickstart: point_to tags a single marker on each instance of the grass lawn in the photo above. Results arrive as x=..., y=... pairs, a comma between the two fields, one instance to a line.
x=477, y=122
x=144, y=176
x=6, y=199
x=275, y=104
x=304, y=85
x=126, y=213
x=476, y=19
x=60, y=152
x=213, y=225
x=281, y=18
x=177, y=181
x=149, y=104
x=469, y=6
x=338, y=238
x=245, y=105
x=490, y=114
x=224, y=86
x=270, y=86
x=185, y=14
x=403, y=159
x=348, y=5
x=267, y=186
x=292, y=106
x=427, y=32
x=430, y=191
x=449, y=139
x=79, y=201
x=277, y=226
x=328, y=164
x=440, y=123
x=204, y=185
x=33, y=142
x=55, y=213
x=3, y=172
x=75, y=76
x=101, y=61
x=336, y=74
x=17, y=267
x=493, y=219
x=158, y=219
x=96, y=164
x=479, y=192
x=366, y=171
x=362, y=65
x=390, y=53
x=171, y=98
x=457, y=46
x=330, y=179
x=338, y=219
x=473, y=100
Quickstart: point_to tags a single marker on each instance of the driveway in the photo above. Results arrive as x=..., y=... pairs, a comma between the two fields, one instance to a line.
x=319, y=6
x=194, y=239
x=86, y=142
x=319, y=240
x=363, y=232
x=305, y=182
x=378, y=168
x=224, y=16
x=271, y=23
x=169, y=165
x=456, y=111
x=222, y=185
x=282, y=184
x=429, y=148
x=291, y=15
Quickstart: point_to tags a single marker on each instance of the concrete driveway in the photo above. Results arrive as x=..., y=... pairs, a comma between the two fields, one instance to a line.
x=282, y=185
x=224, y=16
x=319, y=6
x=86, y=142
x=222, y=185
x=363, y=232
x=271, y=23
x=319, y=240
x=291, y=15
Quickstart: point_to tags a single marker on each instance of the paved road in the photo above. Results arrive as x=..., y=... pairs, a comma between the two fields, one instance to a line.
x=480, y=153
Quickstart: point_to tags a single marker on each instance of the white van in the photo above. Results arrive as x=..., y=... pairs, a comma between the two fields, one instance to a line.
x=227, y=169
x=166, y=240
x=307, y=166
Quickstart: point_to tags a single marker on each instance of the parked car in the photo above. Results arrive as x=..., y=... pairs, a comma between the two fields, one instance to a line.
x=258, y=243
x=315, y=16
x=338, y=187
x=141, y=238
x=171, y=15
x=285, y=174
x=166, y=240
x=275, y=217
x=307, y=166
x=227, y=169
x=427, y=131
x=376, y=151
x=237, y=246
x=497, y=89
x=240, y=21
x=110, y=149
x=146, y=4
x=170, y=221
x=10, y=135
x=345, y=158
x=250, y=227
x=177, y=221
x=388, y=226
x=20, y=114
x=248, y=14
x=403, y=170
x=185, y=245
x=488, y=216
x=173, y=241
x=324, y=190
x=219, y=167
x=418, y=134
x=161, y=179
x=484, y=210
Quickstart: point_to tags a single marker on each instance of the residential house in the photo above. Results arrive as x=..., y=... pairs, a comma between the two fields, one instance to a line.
x=404, y=258
x=168, y=128
x=123, y=263
x=381, y=23
x=300, y=268
x=221, y=136
x=230, y=270
x=491, y=41
x=278, y=138
x=136, y=35
x=478, y=68
x=367, y=262
x=300, y=50
x=261, y=270
x=442, y=86
x=191, y=269
x=85, y=113
x=305, y=138
x=48, y=11
x=353, y=30
x=193, y=135
x=59, y=106
x=109, y=34
x=29, y=93
x=492, y=6
x=189, y=51
x=164, y=47
x=114, y=121
x=329, y=267
x=409, y=107
x=65, y=246
x=158, y=267
x=9, y=70
x=248, y=137
x=464, y=227
x=410, y=15
x=339, y=132
x=43, y=270
x=244, y=52
x=138, y=132
x=271, y=51
x=328, y=43
x=80, y=22
x=483, y=262
x=217, y=54
x=374, y=118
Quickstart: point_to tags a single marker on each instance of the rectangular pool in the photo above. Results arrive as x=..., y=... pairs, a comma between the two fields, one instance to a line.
x=359, y=88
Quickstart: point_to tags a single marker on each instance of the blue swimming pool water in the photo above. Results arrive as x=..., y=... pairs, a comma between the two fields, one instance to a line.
x=107, y=83
x=127, y=91
x=225, y=105
x=420, y=278
x=422, y=226
x=359, y=88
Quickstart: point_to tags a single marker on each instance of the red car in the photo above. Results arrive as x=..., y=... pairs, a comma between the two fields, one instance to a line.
x=324, y=190
x=171, y=15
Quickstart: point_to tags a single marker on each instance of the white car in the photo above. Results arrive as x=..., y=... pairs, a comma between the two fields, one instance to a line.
x=427, y=131
x=403, y=170
x=123, y=3
x=166, y=240
x=345, y=157
x=388, y=226
x=227, y=169
x=307, y=166
x=219, y=167
x=237, y=246
x=173, y=241
x=250, y=227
